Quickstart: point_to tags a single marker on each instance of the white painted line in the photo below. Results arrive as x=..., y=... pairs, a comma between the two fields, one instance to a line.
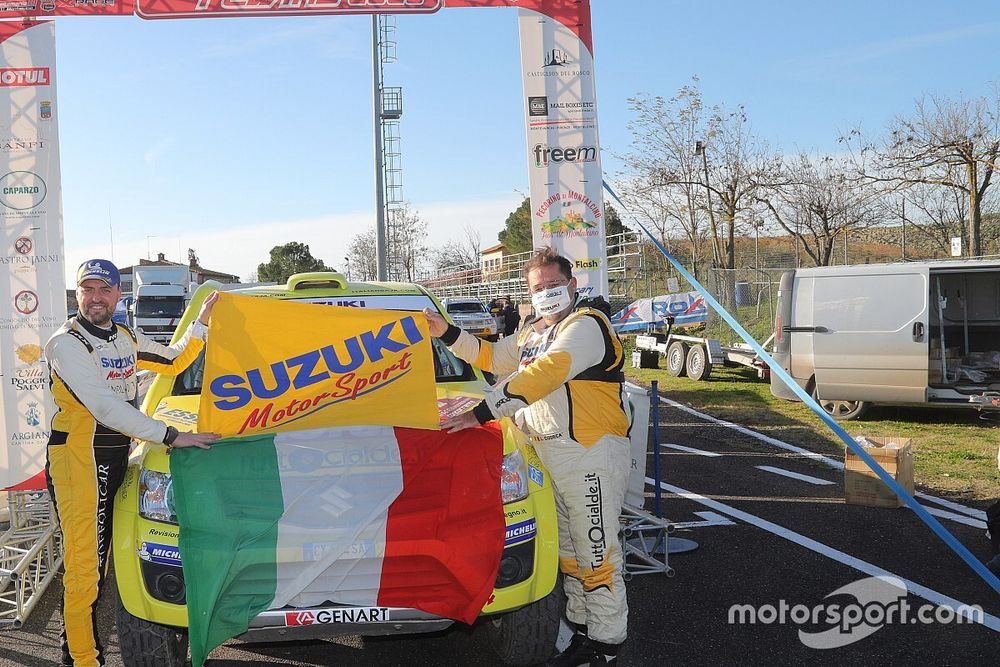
x=940, y=599
x=795, y=475
x=691, y=450
x=971, y=511
x=833, y=463
x=958, y=518
x=712, y=516
x=710, y=519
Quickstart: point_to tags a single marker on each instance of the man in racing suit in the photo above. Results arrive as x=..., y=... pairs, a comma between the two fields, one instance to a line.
x=92, y=367
x=564, y=388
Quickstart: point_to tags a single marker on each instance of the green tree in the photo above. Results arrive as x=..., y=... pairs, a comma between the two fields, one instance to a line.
x=287, y=260
x=516, y=235
x=613, y=224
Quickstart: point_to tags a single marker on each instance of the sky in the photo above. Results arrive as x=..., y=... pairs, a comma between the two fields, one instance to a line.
x=231, y=136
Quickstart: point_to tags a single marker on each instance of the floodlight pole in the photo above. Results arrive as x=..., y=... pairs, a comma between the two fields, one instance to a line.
x=380, y=263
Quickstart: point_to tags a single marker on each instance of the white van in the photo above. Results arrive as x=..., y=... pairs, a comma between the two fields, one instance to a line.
x=917, y=333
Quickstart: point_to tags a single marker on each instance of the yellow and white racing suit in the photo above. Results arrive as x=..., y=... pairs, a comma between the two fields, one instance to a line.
x=92, y=376
x=564, y=389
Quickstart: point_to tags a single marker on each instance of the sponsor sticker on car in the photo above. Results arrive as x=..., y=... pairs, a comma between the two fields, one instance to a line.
x=519, y=532
x=163, y=554
x=337, y=615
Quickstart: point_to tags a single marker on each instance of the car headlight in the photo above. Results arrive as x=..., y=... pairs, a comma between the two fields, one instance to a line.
x=156, y=496
x=513, y=477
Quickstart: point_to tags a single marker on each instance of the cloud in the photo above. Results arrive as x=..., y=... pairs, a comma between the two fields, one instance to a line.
x=331, y=40
x=238, y=250
x=152, y=154
x=837, y=60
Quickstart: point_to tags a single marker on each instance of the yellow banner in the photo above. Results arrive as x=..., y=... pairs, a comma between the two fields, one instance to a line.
x=274, y=366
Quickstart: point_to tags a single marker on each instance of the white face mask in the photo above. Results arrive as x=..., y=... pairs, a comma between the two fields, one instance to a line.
x=551, y=301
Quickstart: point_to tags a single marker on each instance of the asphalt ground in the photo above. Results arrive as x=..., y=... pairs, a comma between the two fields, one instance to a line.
x=790, y=543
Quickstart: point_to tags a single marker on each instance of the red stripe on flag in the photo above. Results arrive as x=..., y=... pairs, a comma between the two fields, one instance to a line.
x=35, y=483
x=445, y=531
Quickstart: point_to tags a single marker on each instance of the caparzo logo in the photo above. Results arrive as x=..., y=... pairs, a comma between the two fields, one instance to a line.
x=22, y=190
x=337, y=363
x=877, y=602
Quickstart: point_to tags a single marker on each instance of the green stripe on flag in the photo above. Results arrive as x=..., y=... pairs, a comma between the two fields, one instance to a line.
x=228, y=502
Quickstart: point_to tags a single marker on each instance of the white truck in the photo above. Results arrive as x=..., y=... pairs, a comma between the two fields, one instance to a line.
x=924, y=333
x=161, y=294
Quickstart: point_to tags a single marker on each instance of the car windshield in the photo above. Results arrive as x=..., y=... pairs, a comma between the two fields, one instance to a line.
x=447, y=368
x=159, y=306
x=476, y=308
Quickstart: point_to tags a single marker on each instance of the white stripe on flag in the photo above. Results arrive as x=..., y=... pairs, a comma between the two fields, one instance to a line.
x=337, y=486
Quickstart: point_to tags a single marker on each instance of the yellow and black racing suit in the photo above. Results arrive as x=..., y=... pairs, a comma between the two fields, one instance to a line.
x=92, y=375
x=564, y=388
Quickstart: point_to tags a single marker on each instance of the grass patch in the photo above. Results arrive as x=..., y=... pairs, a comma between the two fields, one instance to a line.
x=955, y=452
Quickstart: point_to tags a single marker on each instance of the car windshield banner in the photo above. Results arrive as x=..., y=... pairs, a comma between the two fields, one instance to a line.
x=275, y=366
x=686, y=307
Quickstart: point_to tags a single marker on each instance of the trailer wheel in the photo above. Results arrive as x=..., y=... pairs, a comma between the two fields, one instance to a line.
x=698, y=366
x=676, y=358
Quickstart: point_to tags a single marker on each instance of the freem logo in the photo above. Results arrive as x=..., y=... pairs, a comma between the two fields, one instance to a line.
x=24, y=76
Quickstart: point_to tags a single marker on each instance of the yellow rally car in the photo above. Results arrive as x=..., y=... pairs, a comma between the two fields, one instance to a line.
x=524, y=611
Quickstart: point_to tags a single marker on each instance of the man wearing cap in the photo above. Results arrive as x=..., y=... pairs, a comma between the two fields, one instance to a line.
x=92, y=367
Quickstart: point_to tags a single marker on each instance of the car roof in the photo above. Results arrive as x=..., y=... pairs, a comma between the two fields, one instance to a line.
x=329, y=283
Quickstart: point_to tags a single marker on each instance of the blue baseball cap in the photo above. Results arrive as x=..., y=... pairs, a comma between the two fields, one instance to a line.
x=99, y=269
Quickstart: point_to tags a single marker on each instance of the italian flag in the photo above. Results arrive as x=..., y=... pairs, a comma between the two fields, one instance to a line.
x=372, y=516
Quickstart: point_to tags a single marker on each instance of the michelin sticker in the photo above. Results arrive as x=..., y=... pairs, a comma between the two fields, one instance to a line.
x=519, y=532
x=162, y=554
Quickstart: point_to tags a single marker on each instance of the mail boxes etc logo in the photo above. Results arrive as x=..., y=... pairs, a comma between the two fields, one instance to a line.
x=290, y=389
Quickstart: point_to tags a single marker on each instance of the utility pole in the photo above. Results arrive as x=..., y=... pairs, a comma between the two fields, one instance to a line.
x=903, y=251
x=380, y=263
x=700, y=149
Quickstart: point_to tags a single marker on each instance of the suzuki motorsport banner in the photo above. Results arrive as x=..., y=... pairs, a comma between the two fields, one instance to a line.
x=32, y=279
x=342, y=367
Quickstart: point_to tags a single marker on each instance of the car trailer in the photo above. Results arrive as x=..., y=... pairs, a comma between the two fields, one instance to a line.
x=694, y=356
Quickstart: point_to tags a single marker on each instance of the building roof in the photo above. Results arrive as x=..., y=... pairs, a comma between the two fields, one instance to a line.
x=161, y=261
x=496, y=248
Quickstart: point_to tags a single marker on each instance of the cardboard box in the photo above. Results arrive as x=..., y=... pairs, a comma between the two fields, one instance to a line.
x=863, y=487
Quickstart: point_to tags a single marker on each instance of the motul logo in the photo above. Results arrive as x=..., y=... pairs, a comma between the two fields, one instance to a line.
x=24, y=76
x=299, y=618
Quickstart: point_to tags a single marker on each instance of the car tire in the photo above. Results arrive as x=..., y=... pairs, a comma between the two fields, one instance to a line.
x=527, y=636
x=698, y=366
x=676, y=359
x=840, y=410
x=146, y=644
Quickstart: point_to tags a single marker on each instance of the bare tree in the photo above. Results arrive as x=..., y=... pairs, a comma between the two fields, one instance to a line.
x=660, y=183
x=406, y=232
x=738, y=167
x=820, y=202
x=951, y=143
x=458, y=253
x=362, y=254
x=684, y=159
